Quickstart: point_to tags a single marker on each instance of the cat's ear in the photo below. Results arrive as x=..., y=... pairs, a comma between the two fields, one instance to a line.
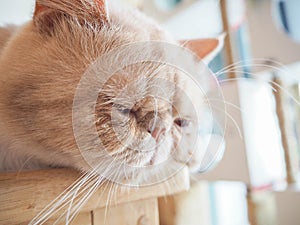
x=206, y=49
x=48, y=13
x=39, y=9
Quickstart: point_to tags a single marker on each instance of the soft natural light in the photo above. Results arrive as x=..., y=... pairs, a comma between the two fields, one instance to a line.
x=262, y=136
x=22, y=9
x=230, y=207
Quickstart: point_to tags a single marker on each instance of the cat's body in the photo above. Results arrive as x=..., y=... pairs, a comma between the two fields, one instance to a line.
x=37, y=108
x=41, y=65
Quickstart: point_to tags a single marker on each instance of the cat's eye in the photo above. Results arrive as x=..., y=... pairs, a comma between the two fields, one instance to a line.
x=182, y=122
x=122, y=109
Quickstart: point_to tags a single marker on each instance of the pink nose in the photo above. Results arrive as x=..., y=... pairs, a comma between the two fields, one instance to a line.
x=157, y=132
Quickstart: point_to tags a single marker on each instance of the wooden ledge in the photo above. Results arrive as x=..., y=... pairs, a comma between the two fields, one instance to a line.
x=24, y=195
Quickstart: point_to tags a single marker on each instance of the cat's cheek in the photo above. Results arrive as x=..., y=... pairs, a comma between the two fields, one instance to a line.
x=82, y=165
x=163, y=151
x=194, y=164
x=140, y=159
x=189, y=151
x=196, y=156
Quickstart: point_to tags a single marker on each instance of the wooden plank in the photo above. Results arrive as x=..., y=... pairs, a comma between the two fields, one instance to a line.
x=143, y=212
x=81, y=219
x=24, y=195
x=189, y=207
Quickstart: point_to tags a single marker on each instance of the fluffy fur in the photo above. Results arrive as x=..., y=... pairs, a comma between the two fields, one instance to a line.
x=41, y=64
x=40, y=67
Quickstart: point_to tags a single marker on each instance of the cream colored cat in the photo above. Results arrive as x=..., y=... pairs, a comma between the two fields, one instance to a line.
x=41, y=65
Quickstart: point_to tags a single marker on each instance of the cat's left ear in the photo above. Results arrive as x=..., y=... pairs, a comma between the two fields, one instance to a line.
x=206, y=49
x=48, y=13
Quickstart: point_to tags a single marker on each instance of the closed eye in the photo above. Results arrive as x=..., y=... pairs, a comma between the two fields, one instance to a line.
x=182, y=122
x=122, y=109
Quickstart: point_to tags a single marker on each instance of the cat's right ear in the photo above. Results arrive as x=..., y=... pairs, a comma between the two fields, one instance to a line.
x=48, y=13
x=205, y=49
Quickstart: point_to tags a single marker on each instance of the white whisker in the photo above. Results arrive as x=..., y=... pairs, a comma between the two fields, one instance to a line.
x=286, y=92
x=231, y=118
x=261, y=62
x=226, y=103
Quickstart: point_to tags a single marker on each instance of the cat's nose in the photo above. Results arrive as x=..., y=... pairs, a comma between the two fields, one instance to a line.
x=157, y=133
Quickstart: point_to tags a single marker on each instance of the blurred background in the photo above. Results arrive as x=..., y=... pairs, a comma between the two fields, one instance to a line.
x=256, y=182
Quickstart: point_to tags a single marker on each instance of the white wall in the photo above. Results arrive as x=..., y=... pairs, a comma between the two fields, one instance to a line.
x=266, y=39
x=15, y=11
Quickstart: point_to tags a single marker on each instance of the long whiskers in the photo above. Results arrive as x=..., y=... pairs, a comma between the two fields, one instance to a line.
x=64, y=199
x=55, y=203
x=236, y=124
x=225, y=103
x=256, y=62
x=74, y=197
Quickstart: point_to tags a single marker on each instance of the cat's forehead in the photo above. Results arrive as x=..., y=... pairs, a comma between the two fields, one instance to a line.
x=142, y=88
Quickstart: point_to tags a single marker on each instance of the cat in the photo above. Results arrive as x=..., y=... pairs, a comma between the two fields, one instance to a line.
x=41, y=65
x=144, y=114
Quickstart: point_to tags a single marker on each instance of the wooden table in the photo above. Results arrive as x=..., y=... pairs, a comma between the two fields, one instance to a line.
x=24, y=195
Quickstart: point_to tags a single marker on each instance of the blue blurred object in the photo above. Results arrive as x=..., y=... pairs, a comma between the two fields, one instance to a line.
x=167, y=4
x=287, y=16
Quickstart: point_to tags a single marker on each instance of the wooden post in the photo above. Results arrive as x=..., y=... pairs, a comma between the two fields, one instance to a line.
x=227, y=41
x=277, y=84
x=251, y=207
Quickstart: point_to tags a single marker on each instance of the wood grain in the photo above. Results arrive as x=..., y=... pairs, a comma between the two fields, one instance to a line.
x=278, y=94
x=84, y=218
x=23, y=195
x=143, y=212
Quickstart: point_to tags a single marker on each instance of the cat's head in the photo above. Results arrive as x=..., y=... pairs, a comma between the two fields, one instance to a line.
x=138, y=115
